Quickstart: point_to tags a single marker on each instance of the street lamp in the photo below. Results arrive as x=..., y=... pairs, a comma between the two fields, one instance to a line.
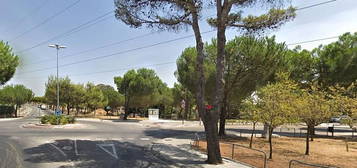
x=57, y=47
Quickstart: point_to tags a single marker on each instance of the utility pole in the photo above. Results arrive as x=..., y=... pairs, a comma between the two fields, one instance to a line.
x=57, y=47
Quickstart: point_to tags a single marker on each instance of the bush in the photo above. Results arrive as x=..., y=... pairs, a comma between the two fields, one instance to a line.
x=57, y=120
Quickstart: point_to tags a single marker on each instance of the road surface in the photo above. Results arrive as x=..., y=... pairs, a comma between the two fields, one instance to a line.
x=87, y=144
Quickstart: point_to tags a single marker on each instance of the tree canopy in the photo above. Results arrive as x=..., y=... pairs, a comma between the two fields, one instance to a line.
x=8, y=63
x=15, y=95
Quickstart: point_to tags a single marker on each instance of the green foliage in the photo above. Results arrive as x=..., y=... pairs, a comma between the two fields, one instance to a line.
x=41, y=100
x=302, y=65
x=57, y=120
x=250, y=63
x=114, y=98
x=338, y=61
x=65, y=89
x=94, y=97
x=15, y=95
x=141, y=88
x=275, y=102
x=314, y=106
x=8, y=63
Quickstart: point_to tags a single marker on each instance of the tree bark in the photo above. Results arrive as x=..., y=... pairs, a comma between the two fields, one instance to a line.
x=222, y=124
x=16, y=109
x=265, y=133
x=312, y=132
x=270, y=142
x=252, y=135
x=307, y=140
x=126, y=107
x=68, y=109
x=209, y=119
x=221, y=43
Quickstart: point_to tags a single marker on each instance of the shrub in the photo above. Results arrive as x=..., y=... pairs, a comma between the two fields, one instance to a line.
x=57, y=120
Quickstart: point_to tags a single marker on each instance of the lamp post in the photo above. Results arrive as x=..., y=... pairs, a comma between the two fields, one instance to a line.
x=57, y=47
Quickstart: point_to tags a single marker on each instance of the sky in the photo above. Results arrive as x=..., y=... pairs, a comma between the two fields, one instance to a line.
x=30, y=26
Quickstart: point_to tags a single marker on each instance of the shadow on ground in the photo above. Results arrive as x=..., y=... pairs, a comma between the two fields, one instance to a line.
x=99, y=154
x=67, y=153
x=169, y=133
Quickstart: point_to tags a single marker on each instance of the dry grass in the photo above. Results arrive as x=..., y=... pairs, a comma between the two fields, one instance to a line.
x=322, y=151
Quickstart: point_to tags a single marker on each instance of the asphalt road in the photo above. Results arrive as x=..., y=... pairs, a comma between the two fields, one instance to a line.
x=91, y=144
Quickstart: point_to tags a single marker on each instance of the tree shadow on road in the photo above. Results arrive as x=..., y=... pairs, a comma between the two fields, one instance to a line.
x=168, y=133
x=99, y=154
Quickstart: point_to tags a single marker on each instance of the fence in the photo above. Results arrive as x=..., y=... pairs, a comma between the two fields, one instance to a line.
x=299, y=132
x=308, y=164
x=265, y=161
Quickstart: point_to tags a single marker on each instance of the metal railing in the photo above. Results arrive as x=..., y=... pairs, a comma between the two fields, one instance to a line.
x=309, y=164
x=265, y=161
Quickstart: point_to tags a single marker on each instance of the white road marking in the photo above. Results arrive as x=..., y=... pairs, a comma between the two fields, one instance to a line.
x=75, y=147
x=145, y=139
x=54, y=146
x=130, y=138
x=114, y=153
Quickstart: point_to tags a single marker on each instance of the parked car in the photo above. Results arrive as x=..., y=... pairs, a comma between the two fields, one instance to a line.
x=43, y=107
x=338, y=119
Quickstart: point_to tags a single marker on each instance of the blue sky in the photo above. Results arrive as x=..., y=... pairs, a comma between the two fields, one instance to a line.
x=19, y=16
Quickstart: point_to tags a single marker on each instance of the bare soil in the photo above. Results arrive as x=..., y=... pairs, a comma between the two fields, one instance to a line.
x=322, y=151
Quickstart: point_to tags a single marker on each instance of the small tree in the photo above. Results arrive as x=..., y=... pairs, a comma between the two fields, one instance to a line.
x=274, y=105
x=8, y=63
x=313, y=108
x=250, y=113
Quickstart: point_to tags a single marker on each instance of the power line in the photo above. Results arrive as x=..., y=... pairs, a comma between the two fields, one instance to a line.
x=71, y=31
x=314, y=5
x=315, y=40
x=95, y=21
x=116, y=70
x=118, y=53
x=37, y=9
x=94, y=49
x=105, y=56
x=46, y=20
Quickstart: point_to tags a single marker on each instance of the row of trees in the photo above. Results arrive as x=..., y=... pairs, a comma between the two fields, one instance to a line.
x=252, y=63
x=285, y=101
x=80, y=97
x=16, y=96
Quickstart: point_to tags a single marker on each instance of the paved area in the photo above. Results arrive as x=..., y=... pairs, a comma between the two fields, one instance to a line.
x=178, y=153
x=94, y=144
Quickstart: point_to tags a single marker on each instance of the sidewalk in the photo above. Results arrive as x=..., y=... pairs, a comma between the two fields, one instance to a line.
x=178, y=153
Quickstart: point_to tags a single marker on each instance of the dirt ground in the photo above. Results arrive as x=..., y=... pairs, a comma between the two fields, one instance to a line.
x=322, y=151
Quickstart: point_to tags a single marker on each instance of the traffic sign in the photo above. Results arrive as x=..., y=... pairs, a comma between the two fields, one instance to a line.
x=58, y=112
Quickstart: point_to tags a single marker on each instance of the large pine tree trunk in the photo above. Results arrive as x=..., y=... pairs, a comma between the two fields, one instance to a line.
x=210, y=119
x=221, y=43
x=68, y=109
x=223, y=117
x=213, y=147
